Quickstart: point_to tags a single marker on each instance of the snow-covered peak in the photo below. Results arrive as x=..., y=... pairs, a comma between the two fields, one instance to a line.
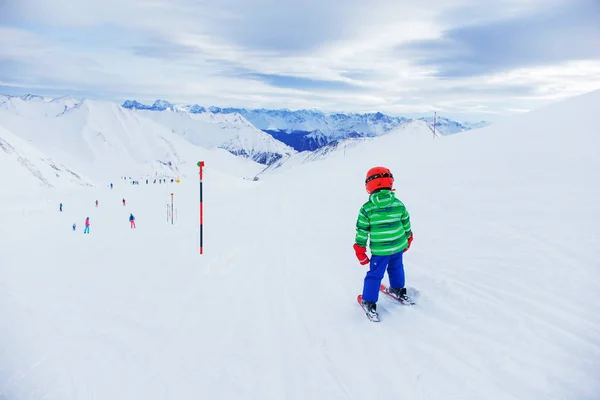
x=33, y=97
x=158, y=105
x=134, y=104
x=196, y=109
x=162, y=105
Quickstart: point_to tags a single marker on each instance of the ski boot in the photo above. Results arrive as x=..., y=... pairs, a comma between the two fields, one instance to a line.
x=371, y=310
x=400, y=294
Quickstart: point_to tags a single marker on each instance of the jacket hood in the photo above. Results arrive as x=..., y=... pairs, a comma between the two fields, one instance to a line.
x=382, y=198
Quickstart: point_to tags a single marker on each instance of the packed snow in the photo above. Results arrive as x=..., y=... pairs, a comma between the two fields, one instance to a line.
x=504, y=261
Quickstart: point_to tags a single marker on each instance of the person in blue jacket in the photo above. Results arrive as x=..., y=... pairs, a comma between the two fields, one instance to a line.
x=132, y=221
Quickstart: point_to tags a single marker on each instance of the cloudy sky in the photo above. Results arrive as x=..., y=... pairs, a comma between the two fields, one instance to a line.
x=470, y=59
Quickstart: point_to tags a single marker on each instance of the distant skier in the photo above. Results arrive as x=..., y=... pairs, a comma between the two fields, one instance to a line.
x=386, y=220
x=87, y=225
x=60, y=207
x=111, y=185
x=74, y=227
x=123, y=202
x=96, y=203
x=132, y=221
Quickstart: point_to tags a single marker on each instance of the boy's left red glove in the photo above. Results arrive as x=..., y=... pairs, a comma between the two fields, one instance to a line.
x=410, y=239
x=361, y=254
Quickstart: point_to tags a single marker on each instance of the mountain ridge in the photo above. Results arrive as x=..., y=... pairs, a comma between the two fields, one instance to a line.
x=311, y=129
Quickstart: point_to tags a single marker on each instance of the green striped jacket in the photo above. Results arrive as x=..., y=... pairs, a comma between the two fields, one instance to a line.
x=385, y=218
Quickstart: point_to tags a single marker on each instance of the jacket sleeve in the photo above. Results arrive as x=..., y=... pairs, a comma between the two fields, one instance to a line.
x=406, y=222
x=363, y=227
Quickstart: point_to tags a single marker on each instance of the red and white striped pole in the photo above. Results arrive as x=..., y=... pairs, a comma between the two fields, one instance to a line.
x=201, y=165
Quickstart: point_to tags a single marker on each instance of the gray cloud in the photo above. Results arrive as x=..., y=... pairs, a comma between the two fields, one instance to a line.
x=281, y=27
x=163, y=49
x=568, y=32
x=504, y=91
x=295, y=82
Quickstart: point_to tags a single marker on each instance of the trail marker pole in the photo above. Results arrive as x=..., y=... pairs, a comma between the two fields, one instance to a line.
x=201, y=165
x=434, y=122
x=172, y=209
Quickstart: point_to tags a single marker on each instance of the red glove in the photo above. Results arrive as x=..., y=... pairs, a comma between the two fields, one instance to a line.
x=361, y=254
x=410, y=239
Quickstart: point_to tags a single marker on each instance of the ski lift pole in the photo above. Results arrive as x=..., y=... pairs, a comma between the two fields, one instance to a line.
x=201, y=165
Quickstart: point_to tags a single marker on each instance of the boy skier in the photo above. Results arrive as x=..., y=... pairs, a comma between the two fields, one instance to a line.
x=384, y=218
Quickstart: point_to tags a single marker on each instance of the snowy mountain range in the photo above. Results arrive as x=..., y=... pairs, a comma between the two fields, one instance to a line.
x=54, y=138
x=90, y=141
x=309, y=129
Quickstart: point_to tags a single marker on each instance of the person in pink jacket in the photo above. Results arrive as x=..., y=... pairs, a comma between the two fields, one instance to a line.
x=87, y=225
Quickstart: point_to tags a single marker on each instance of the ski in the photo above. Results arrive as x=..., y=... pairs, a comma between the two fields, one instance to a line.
x=407, y=302
x=372, y=317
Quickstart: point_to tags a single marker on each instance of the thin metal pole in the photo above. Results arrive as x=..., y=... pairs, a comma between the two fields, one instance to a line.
x=201, y=165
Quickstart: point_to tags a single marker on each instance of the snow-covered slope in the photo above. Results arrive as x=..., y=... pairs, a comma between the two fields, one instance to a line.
x=407, y=128
x=447, y=126
x=25, y=168
x=230, y=132
x=504, y=262
x=104, y=141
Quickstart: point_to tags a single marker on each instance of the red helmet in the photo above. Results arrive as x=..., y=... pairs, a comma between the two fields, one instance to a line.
x=379, y=178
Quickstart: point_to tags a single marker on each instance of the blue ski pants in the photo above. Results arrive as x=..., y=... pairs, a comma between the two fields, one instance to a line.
x=86, y=230
x=379, y=264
